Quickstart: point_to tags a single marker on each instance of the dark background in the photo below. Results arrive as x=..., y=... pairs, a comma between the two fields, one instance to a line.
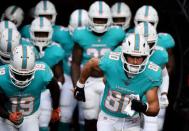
x=173, y=19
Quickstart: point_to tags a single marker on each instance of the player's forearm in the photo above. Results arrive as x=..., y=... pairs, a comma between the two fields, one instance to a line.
x=90, y=66
x=55, y=93
x=153, y=109
x=165, y=81
x=3, y=113
x=75, y=72
x=58, y=72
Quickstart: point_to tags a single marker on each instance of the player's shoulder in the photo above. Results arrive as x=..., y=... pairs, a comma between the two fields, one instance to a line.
x=112, y=56
x=4, y=70
x=116, y=29
x=116, y=32
x=165, y=40
x=159, y=56
x=153, y=71
x=41, y=66
x=80, y=33
x=60, y=28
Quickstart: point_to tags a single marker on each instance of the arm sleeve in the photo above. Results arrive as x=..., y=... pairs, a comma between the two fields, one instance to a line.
x=165, y=81
x=3, y=112
x=55, y=92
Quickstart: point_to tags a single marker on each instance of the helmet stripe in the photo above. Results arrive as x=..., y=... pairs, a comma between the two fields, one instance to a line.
x=9, y=46
x=146, y=29
x=45, y=5
x=137, y=39
x=14, y=9
x=41, y=21
x=100, y=7
x=24, y=59
x=119, y=7
x=146, y=11
x=6, y=24
x=79, y=17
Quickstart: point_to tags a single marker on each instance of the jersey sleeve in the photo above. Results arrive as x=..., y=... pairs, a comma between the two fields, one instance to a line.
x=103, y=63
x=165, y=40
x=154, y=74
x=109, y=59
x=62, y=36
x=160, y=57
x=118, y=33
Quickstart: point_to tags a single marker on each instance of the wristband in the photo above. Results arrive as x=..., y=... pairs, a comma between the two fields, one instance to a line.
x=80, y=85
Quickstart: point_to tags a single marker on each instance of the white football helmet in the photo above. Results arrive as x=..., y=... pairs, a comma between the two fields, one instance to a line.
x=46, y=9
x=9, y=40
x=5, y=24
x=135, y=45
x=99, y=17
x=146, y=13
x=78, y=18
x=14, y=14
x=121, y=15
x=41, y=32
x=148, y=31
x=22, y=66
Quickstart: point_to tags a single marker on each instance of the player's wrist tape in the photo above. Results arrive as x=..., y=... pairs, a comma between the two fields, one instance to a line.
x=80, y=85
x=147, y=106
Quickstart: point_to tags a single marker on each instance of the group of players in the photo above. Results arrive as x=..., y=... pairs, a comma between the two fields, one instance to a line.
x=115, y=73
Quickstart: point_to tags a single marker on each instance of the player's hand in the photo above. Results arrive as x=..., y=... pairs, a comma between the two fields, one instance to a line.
x=79, y=92
x=138, y=106
x=55, y=116
x=163, y=101
x=16, y=118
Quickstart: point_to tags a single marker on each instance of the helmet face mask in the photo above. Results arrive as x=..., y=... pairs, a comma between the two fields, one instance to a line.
x=121, y=15
x=41, y=32
x=46, y=9
x=99, y=17
x=22, y=66
x=135, y=54
x=9, y=40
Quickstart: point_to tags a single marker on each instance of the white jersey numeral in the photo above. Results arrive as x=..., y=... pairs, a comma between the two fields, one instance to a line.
x=97, y=53
x=24, y=105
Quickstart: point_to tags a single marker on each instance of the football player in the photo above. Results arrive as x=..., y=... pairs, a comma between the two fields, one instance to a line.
x=52, y=54
x=94, y=41
x=129, y=78
x=23, y=81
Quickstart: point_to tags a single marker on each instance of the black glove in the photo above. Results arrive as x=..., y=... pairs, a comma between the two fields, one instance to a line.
x=79, y=92
x=138, y=106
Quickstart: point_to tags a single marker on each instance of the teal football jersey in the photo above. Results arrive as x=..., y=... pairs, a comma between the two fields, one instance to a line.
x=119, y=88
x=165, y=40
x=62, y=36
x=96, y=46
x=26, y=100
x=159, y=56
